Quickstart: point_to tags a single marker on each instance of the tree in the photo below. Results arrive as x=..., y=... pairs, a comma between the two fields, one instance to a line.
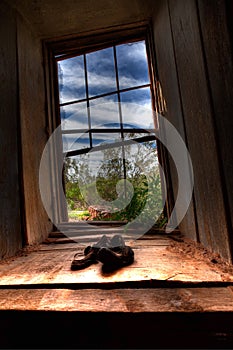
x=75, y=173
x=136, y=163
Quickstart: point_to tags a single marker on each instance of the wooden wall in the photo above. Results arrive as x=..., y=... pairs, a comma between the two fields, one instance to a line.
x=23, y=134
x=10, y=184
x=195, y=69
x=214, y=20
x=168, y=76
x=33, y=129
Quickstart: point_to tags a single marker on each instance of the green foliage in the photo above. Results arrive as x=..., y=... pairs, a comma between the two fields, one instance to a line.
x=73, y=175
x=139, y=168
x=147, y=198
x=79, y=214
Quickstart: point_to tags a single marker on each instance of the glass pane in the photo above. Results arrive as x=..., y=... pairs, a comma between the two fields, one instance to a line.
x=103, y=138
x=76, y=174
x=73, y=142
x=101, y=72
x=138, y=151
x=141, y=156
x=136, y=109
x=104, y=112
x=71, y=78
x=132, y=64
x=110, y=171
x=74, y=116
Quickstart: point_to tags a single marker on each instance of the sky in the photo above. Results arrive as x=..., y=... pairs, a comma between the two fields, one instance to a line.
x=104, y=112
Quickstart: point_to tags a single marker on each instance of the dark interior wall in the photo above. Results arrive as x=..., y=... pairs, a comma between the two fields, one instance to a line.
x=194, y=96
x=33, y=128
x=10, y=221
x=23, y=134
x=53, y=19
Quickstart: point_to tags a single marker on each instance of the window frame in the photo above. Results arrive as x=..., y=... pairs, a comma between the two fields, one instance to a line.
x=117, y=92
x=70, y=46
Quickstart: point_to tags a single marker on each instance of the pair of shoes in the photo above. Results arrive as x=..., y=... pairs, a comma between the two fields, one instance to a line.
x=112, y=252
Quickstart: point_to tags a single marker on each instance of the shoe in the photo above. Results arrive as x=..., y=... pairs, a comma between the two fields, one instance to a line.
x=117, y=241
x=89, y=259
x=113, y=259
x=90, y=253
x=103, y=242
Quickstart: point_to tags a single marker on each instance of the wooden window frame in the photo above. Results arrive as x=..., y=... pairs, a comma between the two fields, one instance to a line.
x=70, y=46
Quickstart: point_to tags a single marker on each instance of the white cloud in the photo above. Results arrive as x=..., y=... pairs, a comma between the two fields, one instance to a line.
x=73, y=75
x=137, y=115
x=137, y=51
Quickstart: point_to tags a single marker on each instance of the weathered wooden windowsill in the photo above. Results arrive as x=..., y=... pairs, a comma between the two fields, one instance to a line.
x=161, y=279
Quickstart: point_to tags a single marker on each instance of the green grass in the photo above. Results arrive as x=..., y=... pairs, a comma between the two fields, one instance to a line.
x=78, y=214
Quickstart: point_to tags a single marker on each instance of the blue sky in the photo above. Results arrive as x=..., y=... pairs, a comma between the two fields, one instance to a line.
x=133, y=71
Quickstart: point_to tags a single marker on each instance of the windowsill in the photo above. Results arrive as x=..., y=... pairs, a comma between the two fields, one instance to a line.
x=161, y=279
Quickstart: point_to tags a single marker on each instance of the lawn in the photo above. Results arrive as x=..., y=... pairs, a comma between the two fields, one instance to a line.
x=78, y=214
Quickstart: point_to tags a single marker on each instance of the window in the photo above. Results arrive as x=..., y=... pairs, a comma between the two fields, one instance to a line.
x=105, y=103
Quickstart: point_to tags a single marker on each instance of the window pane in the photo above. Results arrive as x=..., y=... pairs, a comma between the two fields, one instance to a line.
x=74, y=116
x=104, y=112
x=103, y=138
x=132, y=64
x=71, y=79
x=101, y=72
x=137, y=109
x=73, y=142
x=142, y=155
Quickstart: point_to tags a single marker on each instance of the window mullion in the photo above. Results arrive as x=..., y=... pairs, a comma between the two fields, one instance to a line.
x=88, y=102
x=118, y=90
x=105, y=95
x=120, y=115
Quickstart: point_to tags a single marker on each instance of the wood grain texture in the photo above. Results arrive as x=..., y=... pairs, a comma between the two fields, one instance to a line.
x=33, y=139
x=119, y=300
x=219, y=63
x=74, y=314
x=169, y=81
x=153, y=261
x=199, y=123
x=10, y=221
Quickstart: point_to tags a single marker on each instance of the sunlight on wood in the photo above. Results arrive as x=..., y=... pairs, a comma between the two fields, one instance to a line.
x=153, y=261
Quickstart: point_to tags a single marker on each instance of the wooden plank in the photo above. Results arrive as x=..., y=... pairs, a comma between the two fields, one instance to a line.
x=154, y=262
x=218, y=53
x=60, y=246
x=90, y=237
x=33, y=129
x=121, y=330
x=119, y=300
x=10, y=221
x=68, y=245
x=198, y=117
x=169, y=81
